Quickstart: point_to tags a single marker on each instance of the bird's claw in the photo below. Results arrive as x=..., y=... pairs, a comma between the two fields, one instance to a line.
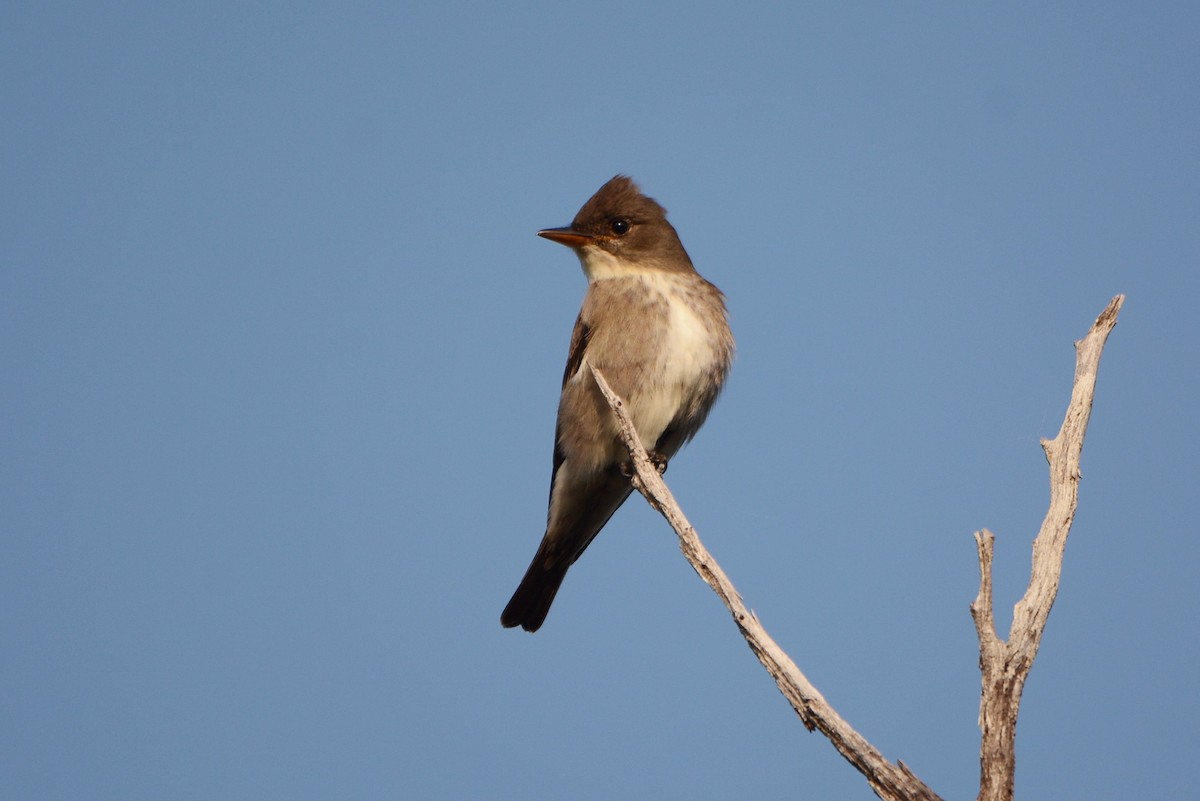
x=659, y=462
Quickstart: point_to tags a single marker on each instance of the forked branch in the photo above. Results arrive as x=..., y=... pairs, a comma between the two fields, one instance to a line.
x=1004, y=665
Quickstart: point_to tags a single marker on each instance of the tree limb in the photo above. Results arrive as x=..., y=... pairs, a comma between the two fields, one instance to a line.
x=1005, y=665
x=890, y=782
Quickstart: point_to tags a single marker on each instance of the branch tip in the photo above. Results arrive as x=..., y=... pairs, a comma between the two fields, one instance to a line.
x=1004, y=666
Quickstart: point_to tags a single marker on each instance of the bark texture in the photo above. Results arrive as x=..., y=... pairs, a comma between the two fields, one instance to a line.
x=1004, y=665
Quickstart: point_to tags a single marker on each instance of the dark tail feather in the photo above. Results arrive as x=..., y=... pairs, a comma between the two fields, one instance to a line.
x=531, y=602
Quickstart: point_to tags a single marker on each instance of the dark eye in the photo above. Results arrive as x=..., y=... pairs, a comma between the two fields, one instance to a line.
x=620, y=227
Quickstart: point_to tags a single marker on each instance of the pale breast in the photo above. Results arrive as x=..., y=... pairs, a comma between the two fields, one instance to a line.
x=689, y=360
x=662, y=342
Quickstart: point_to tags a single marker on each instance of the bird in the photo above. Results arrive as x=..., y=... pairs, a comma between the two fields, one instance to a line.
x=659, y=333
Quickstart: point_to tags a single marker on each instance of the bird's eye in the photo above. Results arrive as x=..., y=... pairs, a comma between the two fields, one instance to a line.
x=620, y=227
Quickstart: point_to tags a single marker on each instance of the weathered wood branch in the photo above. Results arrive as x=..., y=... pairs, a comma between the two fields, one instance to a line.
x=1005, y=665
x=890, y=782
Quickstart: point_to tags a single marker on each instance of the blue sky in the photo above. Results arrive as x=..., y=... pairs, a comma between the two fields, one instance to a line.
x=281, y=355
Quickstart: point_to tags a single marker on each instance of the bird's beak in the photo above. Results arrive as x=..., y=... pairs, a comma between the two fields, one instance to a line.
x=565, y=236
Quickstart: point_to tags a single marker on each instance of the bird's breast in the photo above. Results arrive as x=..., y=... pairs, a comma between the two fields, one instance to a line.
x=687, y=359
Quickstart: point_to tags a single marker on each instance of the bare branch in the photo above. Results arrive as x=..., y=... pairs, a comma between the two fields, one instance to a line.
x=1005, y=666
x=890, y=782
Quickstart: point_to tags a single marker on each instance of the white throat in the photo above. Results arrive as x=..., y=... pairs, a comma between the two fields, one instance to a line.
x=598, y=264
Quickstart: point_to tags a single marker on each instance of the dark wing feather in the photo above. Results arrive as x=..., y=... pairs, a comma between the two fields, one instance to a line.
x=580, y=337
x=579, y=342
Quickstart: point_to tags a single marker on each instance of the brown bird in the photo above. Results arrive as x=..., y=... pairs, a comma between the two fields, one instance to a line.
x=660, y=335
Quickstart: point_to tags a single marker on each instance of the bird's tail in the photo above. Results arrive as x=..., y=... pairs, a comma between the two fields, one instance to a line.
x=531, y=602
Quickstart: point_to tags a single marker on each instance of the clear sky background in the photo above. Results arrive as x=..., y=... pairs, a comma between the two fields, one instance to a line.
x=281, y=357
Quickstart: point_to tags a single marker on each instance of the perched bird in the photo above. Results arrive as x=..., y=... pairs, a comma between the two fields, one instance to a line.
x=660, y=335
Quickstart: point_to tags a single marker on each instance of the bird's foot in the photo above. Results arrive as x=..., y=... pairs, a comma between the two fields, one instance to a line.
x=659, y=462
